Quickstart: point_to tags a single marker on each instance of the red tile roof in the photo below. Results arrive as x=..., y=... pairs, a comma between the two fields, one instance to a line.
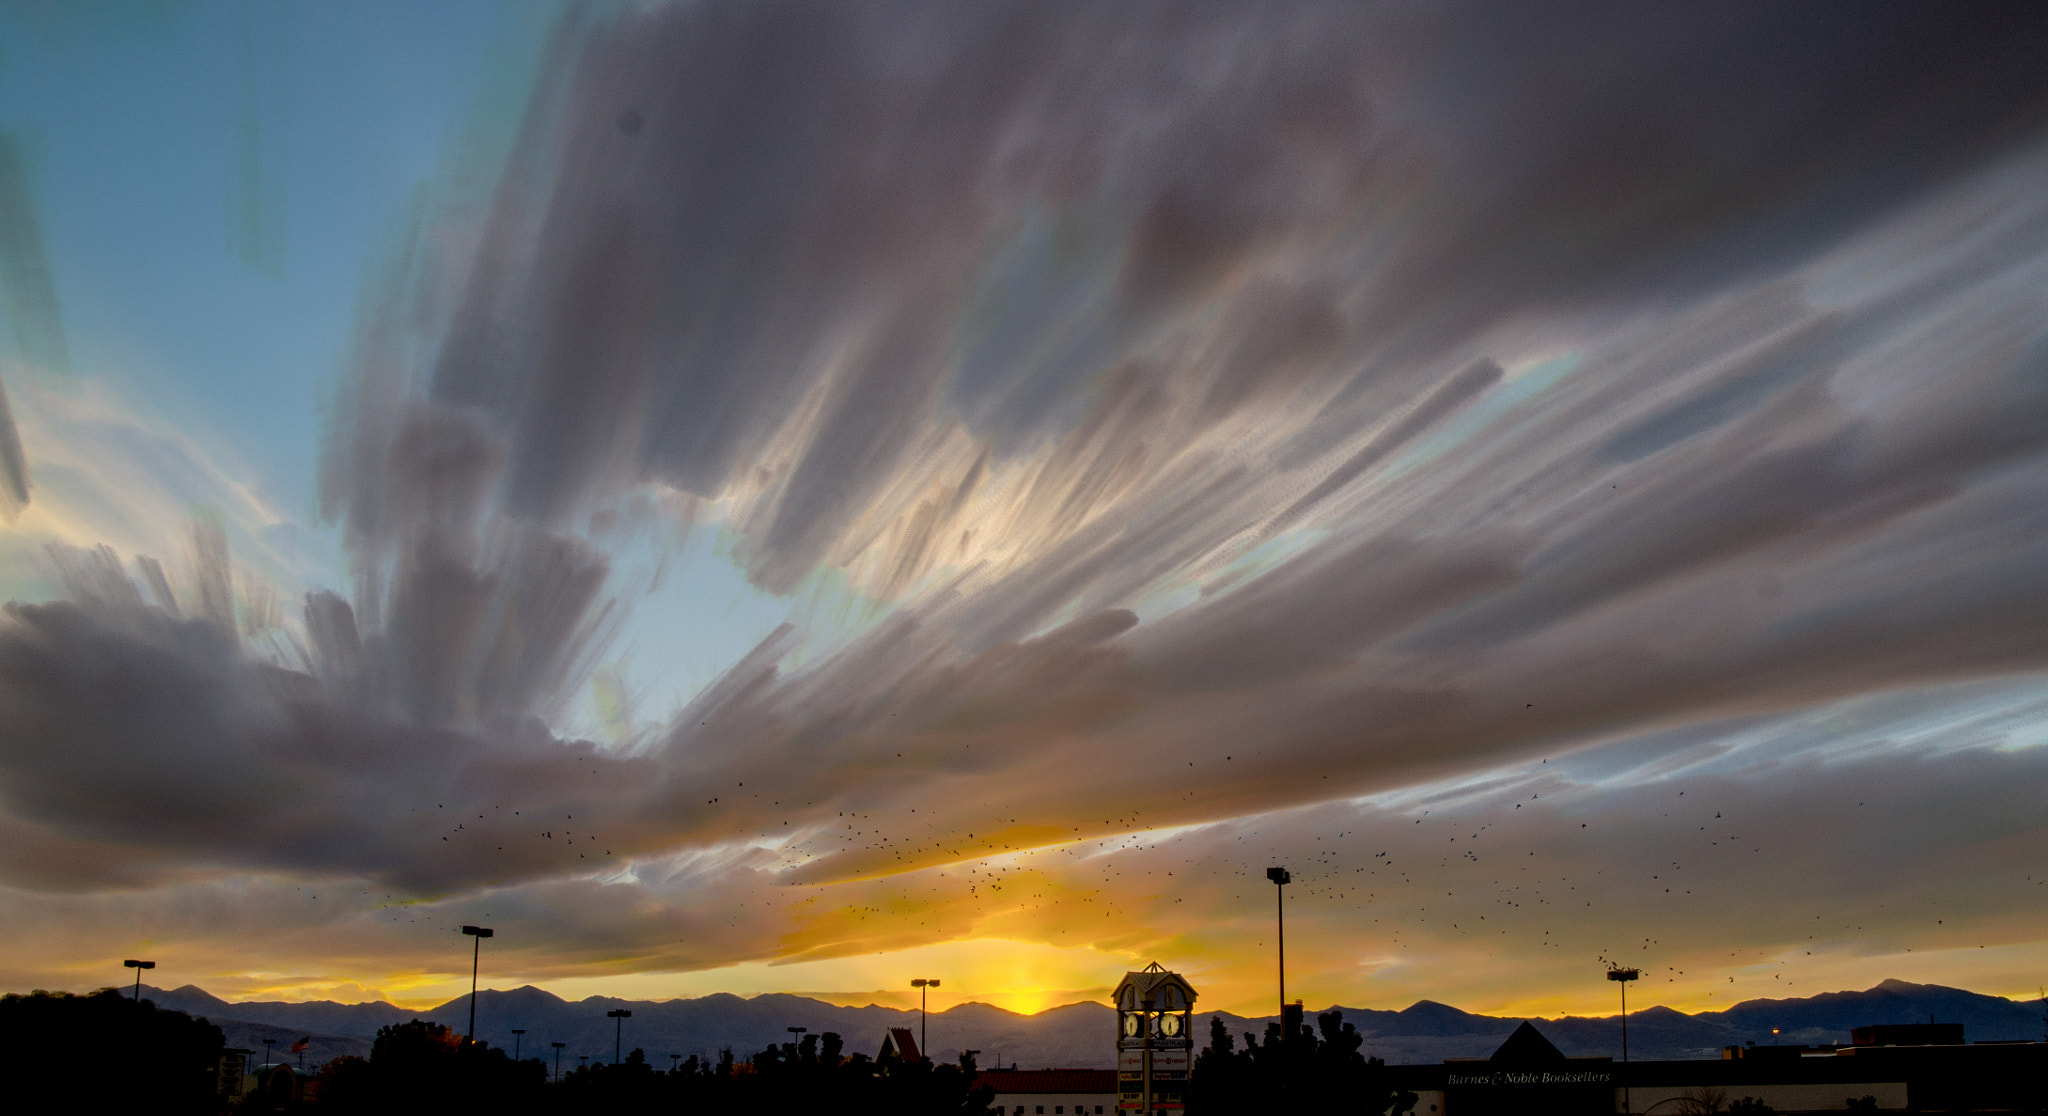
x=1049, y=1080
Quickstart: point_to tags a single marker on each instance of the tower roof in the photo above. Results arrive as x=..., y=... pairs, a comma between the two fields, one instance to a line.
x=1155, y=987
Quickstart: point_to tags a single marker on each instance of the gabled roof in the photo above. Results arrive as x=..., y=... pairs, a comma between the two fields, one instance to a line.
x=900, y=1043
x=1165, y=990
x=1527, y=1047
x=1008, y=1082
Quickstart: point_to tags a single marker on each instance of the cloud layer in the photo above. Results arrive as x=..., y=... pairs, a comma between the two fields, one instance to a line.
x=1225, y=412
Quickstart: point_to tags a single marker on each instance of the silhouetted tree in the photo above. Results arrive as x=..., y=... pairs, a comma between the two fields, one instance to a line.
x=418, y=1066
x=1307, y=1071
x=169, y=1061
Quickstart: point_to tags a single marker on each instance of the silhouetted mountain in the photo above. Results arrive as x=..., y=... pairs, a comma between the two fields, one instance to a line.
x=1893, y=1001
x=1080, y=1034
x=323, y=1016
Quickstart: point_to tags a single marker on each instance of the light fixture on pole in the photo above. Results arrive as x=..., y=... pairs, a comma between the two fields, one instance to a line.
x=1616, y=973
x=267, y=1044
x=619, y=1031
x=479, y=933
x=516, y=1040
x=1281, y=879
x=923, y=1035
x=138, y=966
x=558, y=1058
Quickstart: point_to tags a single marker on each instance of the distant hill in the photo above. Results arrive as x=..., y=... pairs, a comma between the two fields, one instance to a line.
x=1079, y=1035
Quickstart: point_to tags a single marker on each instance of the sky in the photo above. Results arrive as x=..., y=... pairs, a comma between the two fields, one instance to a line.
x=787, y=497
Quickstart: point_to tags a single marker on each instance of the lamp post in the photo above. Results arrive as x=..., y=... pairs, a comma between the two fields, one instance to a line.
x=138, y=966
x=479, y=933
x=558, y=1058
x=923, y=1034
x=799, y=1032
x=618, y=1031
x=1281, y=879
x=516, y=1040
x=267, y=1044
x=1623, y=976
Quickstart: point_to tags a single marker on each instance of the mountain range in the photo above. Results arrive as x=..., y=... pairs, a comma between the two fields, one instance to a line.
x=1075, y=1035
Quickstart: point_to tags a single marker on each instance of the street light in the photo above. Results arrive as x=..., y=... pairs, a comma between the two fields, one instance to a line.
x=1281, y=879
x=1623, y=976
x=138, y=966
x=267, y=1044
x=479, y=933
x=923, y=1034
x=619, y=1030
x=516, y=1032
x=558, y=1058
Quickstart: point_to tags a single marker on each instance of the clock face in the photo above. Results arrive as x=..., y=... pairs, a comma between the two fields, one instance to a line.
x=1132, y=1024
x=1170, y=1026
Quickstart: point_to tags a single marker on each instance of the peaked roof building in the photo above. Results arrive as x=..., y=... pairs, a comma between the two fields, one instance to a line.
x=899, y=1044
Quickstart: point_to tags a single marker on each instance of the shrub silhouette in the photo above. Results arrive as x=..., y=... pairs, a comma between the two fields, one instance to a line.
x=807, y=1076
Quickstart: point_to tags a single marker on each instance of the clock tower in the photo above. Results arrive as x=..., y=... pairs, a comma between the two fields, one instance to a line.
x=1153, y=1042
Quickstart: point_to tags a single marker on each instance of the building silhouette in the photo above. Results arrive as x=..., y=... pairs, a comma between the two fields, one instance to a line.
x=1885, y=1070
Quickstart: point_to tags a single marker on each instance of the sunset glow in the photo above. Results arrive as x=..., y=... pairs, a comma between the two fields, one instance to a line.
x=751, y=498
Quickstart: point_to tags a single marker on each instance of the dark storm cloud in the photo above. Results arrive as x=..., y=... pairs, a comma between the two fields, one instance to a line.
x=1237, y=406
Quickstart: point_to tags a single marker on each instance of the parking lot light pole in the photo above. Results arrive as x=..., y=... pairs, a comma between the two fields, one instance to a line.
x=923, y=1035
x=1281, y=878
x=619, y=1031
x=479, y=933
x=138, y=966
x=1624, y=976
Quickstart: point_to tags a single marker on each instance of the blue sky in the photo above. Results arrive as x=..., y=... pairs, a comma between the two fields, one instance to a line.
x=218, y=187
x=222, y=305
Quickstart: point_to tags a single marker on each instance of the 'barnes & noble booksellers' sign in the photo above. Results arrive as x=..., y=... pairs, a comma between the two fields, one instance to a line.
x=1498, y=1078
